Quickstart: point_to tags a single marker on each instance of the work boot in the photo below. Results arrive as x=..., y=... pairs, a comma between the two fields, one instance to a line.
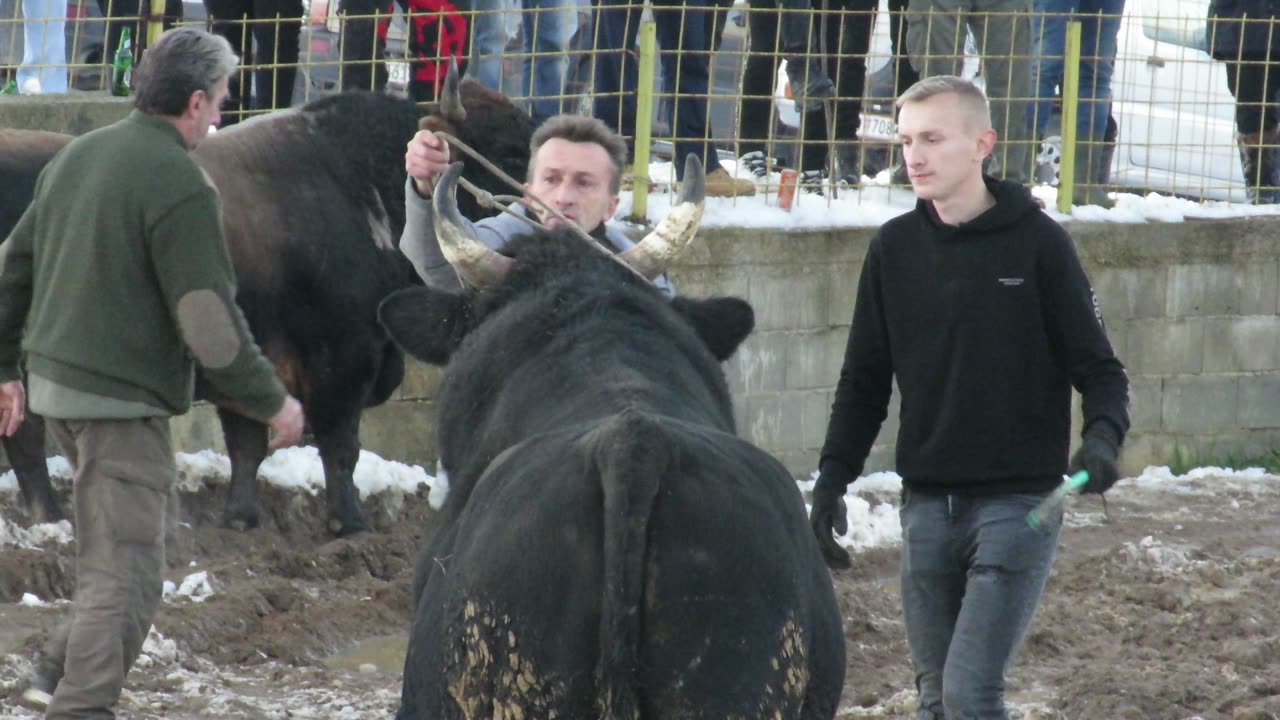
x=721, y=184
x=1258, y=161
x=41, y=682
x=810, y=86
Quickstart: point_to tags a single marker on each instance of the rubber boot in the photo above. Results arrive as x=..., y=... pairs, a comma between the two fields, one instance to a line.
x=1093, y=171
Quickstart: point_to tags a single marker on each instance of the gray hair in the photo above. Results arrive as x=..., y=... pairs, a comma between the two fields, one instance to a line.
x=582, y=129
x=182, y=61
x=970, y=95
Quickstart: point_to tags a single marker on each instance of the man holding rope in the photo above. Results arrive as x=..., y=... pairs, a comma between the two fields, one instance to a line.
x=977, y=303
x=575, y=167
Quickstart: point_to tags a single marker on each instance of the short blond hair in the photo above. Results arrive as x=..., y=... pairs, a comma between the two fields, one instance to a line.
x=971, y=96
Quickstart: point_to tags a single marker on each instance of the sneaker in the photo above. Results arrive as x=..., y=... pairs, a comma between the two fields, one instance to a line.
x=758, y=164
x=810, y=181
x=810, y=86
x=721, y=184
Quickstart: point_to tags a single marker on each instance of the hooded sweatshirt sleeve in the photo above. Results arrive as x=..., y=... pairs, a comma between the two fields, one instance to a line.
x=1076, y=329
x=866, y=379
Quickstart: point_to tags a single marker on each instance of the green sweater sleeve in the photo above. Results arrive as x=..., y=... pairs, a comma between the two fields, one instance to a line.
x=198, y=282
x=15, y=293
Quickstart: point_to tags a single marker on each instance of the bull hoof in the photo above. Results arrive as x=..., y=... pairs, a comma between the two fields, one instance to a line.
x=347, y=529
x=240, y=523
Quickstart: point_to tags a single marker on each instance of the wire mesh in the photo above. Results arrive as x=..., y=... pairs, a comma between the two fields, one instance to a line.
x=723, y=77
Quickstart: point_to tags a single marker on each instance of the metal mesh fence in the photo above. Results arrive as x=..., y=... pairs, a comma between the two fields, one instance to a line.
x=1192, y=112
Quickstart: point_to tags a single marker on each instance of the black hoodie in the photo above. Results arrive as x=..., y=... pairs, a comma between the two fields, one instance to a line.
x=987, y=325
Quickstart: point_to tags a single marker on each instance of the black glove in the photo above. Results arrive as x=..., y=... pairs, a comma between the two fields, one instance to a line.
x=830, y=513
x=1097, y=455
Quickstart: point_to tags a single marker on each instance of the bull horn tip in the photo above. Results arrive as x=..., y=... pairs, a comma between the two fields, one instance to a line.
x=694, y=187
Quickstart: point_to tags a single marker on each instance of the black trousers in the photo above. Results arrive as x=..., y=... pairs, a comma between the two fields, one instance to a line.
x=439, y=30
x=849, y=24
x=1254, y=81
x=265, y=34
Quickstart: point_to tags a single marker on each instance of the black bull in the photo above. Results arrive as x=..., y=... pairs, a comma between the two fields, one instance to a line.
x=609, y=548
x=313, y=203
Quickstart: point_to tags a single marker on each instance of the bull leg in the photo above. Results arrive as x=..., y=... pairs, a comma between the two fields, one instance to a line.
x=246, y=441
x=339, y=446
x=27, y=456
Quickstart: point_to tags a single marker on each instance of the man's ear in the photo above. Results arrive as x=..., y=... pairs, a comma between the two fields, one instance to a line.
x=986, y=142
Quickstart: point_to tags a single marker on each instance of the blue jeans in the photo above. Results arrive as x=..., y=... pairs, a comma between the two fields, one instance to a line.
x=972, y=575
x=686, y=65
x=1099, y=26
x=548, y=27
x=44, y=45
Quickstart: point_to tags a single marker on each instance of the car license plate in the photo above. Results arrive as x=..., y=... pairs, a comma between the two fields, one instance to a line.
x=878, y=127
x=398, y=73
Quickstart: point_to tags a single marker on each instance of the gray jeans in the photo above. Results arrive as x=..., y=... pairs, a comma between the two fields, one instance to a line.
x=936, y=31
x=124, y=469
x=972, y=575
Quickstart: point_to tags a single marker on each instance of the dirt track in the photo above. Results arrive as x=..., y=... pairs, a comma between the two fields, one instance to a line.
x=1169, y=610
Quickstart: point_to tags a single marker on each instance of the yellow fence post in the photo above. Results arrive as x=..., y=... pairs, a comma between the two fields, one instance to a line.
x=155, y=23
x=1070, y=110
x=644, y=122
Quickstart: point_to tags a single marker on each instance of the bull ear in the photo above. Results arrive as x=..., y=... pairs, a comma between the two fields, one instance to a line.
x=428, y=324
x=722, y=322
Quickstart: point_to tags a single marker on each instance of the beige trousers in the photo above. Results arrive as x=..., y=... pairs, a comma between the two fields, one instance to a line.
x=124, y=469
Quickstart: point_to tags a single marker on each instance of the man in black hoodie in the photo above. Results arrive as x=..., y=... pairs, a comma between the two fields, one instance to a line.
x=977, y=303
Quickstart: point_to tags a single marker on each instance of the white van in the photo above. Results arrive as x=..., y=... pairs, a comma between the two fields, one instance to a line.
x=1176, y=116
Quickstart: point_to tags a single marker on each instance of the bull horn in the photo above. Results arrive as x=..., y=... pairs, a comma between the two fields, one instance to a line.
x=651, y=256
x=451, y=95
x=474, y=262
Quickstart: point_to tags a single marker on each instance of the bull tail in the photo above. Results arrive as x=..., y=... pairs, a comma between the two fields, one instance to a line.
x=631, y=459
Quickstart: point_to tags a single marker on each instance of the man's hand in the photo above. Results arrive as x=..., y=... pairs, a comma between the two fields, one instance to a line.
x=13, y=407
x=426, y=159
x=1097, y=454
x=287, y=424
x=829, y=512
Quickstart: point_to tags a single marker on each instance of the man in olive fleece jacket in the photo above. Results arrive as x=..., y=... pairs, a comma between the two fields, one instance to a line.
x=977, y=303
x=114, y=280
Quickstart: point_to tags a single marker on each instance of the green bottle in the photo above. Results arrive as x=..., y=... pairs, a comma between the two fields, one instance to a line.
x=122, y=68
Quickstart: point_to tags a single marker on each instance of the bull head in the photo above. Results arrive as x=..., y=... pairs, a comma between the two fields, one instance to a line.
x=482, y=267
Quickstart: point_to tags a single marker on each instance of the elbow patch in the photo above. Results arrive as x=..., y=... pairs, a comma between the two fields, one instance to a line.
x=208, y=329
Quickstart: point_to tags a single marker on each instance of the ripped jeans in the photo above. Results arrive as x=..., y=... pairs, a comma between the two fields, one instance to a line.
x=972, y=575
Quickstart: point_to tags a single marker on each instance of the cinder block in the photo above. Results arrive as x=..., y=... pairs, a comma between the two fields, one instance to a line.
x=1260, y=401
x=814, y=359
x=1164, y=347
x=814, y=419
x=403, y=431
x=1145, y=399
x=1258, y=286
x=1236, y=344
x=1201, y=290
x=843, y=292
x=1142, y=450
x=1199, y=404
x=196, y=430
x=699, y=281
x=1130, y=293
x=789, y=297
x=761, y=363
x=421, y=381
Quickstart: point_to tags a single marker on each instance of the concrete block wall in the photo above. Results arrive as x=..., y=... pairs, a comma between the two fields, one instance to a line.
x=1193, y=310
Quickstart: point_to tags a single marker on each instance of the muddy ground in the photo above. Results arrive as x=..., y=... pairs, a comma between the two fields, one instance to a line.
x=1168, y=609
